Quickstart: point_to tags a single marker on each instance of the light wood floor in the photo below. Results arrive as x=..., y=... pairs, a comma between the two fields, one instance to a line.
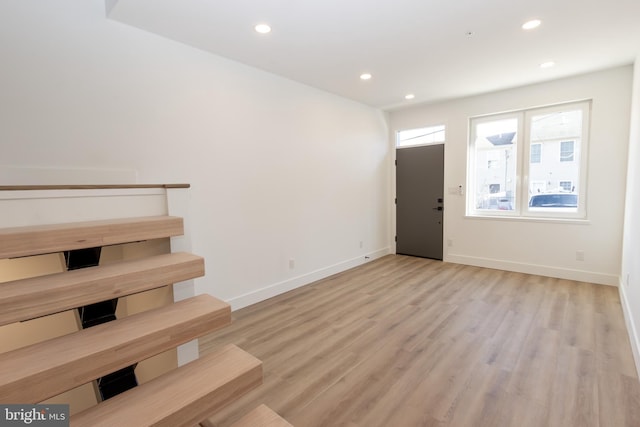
x=403, y=342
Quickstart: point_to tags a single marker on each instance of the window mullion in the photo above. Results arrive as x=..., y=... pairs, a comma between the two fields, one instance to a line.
x=522, y=171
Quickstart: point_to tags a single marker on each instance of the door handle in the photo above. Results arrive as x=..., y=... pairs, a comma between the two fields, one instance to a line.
x=439, y=208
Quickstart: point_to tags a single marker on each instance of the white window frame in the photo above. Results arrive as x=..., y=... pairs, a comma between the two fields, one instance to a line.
x=565, y=180
x=573, y=150
x=523, y=154
x=540, y=153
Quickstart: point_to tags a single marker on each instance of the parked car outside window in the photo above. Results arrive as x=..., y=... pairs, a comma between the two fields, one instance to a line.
x=554, y=200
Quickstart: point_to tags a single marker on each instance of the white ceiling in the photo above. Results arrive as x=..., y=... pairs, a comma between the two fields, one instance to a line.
x=409, y=46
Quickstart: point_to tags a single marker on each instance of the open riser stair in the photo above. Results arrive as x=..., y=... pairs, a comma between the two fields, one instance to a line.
x=106, y=349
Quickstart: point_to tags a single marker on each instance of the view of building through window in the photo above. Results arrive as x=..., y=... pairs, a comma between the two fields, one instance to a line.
x=496, y=147
x=536, y=153
x=532, y=174
x=559, y=133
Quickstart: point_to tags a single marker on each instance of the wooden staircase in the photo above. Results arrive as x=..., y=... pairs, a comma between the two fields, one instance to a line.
x=184, y=396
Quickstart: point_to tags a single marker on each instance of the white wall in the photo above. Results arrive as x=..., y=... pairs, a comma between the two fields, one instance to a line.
x=540, y=247
x=279, y=171
x=630, y=278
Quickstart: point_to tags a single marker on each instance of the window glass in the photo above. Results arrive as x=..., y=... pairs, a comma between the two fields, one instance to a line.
x=566, y=186
x=545, y=177
x=552, y=131
x=422, y=136
x=495, y=143
x=566, y=151
x=536, y=153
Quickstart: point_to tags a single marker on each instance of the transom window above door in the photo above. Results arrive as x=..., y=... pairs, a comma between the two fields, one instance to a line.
x=422, y=136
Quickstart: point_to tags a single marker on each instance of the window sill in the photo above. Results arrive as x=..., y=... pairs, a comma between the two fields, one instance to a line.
x=548, y=220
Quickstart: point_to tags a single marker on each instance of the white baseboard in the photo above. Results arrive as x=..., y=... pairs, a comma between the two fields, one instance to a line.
x=634, y=339
x=305, y=279
x=540, y=270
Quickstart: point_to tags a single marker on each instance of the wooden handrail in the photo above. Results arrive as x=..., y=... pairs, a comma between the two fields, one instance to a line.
x=89, y=187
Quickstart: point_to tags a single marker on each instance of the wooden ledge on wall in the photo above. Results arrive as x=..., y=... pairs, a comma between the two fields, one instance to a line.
x=88, y=187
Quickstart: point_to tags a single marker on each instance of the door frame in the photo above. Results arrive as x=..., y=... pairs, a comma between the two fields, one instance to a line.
x=392, y=204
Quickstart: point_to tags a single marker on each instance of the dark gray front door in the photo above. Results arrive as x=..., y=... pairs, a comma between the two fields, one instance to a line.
x=419, y=200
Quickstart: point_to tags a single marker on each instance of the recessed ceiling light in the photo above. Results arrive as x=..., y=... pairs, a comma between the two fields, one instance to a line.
x=530, y=25
x=365, y=76
x=262, y=28
x=547, y=64
x=409, y=96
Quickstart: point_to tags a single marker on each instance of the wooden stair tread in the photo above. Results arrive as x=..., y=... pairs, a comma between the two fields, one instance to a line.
x=182, y=397
x=43, y=239
x=34, y=373
x=34, y=297
x=262, y=416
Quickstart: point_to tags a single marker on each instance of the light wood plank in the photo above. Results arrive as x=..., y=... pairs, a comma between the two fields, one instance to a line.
x=42, y=239
x=30, y=298
x=37, y=372
x=405, y=341
x=262, y=416
x=180, y=398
